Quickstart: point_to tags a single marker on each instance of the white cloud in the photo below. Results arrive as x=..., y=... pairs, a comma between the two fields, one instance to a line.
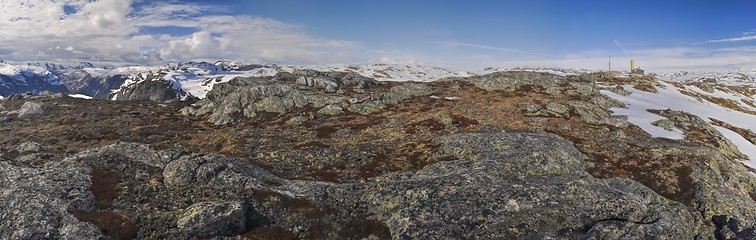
x=199, y=45
x=113, y=30
x=105, y=13
x=499, y=49
x=736, y=39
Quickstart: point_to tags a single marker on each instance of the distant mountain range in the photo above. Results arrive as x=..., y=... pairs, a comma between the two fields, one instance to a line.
x=194, y=79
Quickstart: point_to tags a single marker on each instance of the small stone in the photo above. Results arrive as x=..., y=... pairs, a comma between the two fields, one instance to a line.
x=331, y=109
x=532, y=107
x=558, y=109
x=667, y=124
x=298, y=119
x=29, y=147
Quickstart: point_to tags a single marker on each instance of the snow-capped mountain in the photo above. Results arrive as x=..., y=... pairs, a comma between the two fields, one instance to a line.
x=389, y=72
x=191, y=79
x=21, y=79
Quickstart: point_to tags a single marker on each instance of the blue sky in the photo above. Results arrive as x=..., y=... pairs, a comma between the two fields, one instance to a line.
x=542, y=27
x=658, y=34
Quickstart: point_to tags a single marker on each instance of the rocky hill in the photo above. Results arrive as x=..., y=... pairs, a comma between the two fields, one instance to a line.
x=308, y=154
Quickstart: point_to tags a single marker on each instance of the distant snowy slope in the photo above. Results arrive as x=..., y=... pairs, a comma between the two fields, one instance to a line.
x=732, y=77
x=196, y=79
x=389, y=72
x=733, y=105
x=193, y=79
x=555, y=71
x=16, y=79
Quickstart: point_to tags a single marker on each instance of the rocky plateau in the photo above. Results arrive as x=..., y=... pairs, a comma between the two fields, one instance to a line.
x=309, y=154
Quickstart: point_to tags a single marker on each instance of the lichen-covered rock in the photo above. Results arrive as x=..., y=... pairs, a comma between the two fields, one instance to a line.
x=287, y=91
x=39, y=202
x=520, y=186
x=512, y=81
x=691, y=123
x=218, y=172
x=210, y=219
x=597, y=112
x=406, y=91
x=331, y=110
x=558, y=109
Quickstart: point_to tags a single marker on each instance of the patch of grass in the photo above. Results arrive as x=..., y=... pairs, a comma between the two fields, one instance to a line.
x=373, y=168
x=430, y=124
x=727, y=103
x=371, y=121
x=668, y=176
x=462, y=121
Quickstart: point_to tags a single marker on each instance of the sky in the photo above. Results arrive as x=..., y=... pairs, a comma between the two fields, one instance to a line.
x=658, y=35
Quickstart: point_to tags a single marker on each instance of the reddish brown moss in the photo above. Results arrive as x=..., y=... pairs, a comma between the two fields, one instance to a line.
x=113, y=225
x=431, y=124
x=105, y=187
x=325, y=131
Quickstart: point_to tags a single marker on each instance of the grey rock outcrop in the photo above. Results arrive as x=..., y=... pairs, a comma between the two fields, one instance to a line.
x=512, y=185
x=218, y=172
x=214, y=219
x=39, y=201
x=278, y=94
x=159, y=91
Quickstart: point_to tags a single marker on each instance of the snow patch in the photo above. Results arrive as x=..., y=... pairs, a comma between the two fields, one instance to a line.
x=743, y=145
x=82, y=96
x=670, y=97
x=22, y=72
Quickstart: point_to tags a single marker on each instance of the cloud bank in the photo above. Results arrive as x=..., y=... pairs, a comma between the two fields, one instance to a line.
x=159, y=32
x=118, y=31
